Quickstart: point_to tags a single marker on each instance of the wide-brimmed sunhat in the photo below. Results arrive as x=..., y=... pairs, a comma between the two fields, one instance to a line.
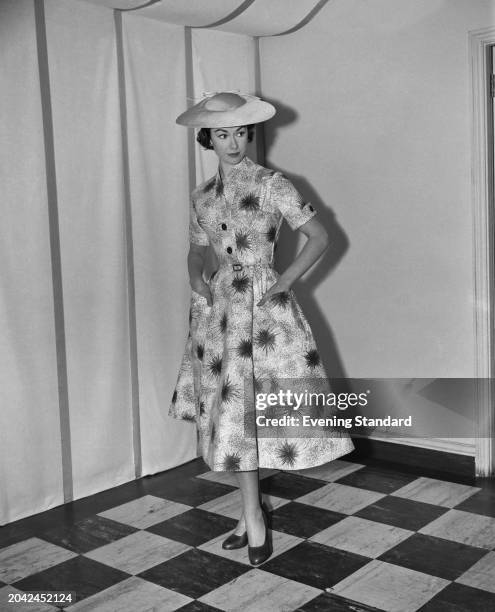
x=226, y=109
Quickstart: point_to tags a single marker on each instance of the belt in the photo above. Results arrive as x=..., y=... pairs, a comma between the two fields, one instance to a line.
x=261, y=278
x=237, y=267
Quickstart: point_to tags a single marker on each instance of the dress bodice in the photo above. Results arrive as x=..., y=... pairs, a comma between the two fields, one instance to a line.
x=241, y=216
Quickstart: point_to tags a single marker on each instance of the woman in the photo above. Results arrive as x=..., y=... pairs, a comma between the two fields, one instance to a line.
x=246, y=328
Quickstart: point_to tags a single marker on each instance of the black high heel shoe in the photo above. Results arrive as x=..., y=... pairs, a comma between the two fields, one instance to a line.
x=259, y=554
x=235, y=541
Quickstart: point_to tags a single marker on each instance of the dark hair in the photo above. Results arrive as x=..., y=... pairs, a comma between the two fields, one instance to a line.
x=204, y=137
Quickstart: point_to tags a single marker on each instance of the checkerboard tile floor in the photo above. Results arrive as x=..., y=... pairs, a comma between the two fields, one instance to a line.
x=346, y=536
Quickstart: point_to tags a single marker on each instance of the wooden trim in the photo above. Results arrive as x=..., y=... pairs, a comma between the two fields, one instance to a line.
x=456, y=446
x=482, y=179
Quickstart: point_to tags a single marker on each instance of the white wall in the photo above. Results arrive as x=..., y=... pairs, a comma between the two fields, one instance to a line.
x=382, y=140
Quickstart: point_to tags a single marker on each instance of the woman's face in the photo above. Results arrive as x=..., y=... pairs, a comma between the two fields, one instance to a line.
x=229, y=143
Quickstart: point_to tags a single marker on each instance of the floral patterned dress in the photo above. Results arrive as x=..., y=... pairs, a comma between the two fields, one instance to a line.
x=235, y=349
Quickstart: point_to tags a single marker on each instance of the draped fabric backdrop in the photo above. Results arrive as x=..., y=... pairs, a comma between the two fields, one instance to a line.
x=94, y=291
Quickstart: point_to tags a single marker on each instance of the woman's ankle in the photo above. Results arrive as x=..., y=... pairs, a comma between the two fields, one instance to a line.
x=254, y=514
x=241, y=525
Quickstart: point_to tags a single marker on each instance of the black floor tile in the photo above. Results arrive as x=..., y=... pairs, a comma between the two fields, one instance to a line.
x=79, y=575
x=434, y=556
x=186, y=470
x=482, y=502
x=460, y=598
x=315, y=564
x=191, y=491
x=169, y=477
x=10, y=534
x=194, y=573
x=99, y=502
x=32, y=526
x=375, y=479
x=485, y=482
x=194, y=527
x=327, y=602
x=197, y=606
x=399, y=512
x=290, y=486
x=87, y=534
x=302, y=520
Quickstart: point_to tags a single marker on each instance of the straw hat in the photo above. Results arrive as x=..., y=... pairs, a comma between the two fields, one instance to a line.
x=226, y=109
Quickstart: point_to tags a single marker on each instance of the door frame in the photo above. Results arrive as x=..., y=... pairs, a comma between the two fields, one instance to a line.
x=480, y=43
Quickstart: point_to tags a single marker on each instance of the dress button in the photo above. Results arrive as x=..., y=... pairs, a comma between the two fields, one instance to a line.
x=229, y=249
x=224, y=226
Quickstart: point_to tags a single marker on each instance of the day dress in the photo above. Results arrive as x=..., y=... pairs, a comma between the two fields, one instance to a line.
x=235, y=348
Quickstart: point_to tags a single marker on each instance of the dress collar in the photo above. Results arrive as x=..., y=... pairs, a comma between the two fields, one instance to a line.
x=237, y=169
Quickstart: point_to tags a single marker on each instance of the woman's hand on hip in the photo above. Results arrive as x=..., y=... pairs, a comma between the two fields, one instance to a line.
x=199, y=286
x=279, y=287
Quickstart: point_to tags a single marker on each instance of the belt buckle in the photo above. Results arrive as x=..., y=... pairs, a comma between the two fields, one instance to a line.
x=236, y=267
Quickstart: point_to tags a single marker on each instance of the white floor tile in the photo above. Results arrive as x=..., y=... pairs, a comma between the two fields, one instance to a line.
x=229, y=478
x=390, y=587
x=259, y=591
x=145, y=511
x=132, y=595
x=481, y=575
x=137, y=552
x=361, y=536
x=464, y=527
x=231, y=504
x=29, y=557
x=281, y=543
x=438, y=492
x=340, y=498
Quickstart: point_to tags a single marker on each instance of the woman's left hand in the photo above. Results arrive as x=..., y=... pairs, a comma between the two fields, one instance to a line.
x=279, y=287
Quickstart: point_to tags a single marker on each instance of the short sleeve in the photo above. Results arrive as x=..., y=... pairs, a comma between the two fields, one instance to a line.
x=290, y=202
x=197, y=234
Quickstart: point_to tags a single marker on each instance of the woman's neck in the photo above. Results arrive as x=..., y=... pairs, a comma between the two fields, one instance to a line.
x=225, y=170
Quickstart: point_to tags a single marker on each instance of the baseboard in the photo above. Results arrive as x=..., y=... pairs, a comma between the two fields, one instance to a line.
x=458, y=446
x=415, y=459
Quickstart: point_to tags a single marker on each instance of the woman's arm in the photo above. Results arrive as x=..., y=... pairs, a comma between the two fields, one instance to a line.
x=315, y=245
x=195, y=265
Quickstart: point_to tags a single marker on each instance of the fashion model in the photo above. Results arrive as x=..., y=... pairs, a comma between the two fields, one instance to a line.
x=247, y=329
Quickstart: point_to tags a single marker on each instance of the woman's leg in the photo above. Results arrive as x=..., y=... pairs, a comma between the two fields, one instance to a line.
x=252, y=515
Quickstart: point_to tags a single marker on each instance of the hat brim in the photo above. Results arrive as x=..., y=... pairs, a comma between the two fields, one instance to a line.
x=253, y=111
